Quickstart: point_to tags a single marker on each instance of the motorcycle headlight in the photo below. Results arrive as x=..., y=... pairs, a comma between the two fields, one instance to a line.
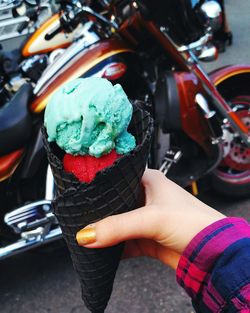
x=213, y=12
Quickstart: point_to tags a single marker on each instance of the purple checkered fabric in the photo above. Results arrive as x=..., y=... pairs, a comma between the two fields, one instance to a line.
x=215, y=267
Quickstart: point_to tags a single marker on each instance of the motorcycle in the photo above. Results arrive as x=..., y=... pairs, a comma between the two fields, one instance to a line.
x=149, y=47
x=42, y=47
x=13, y=27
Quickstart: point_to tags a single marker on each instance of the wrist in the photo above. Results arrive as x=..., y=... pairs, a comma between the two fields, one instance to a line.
x=199, y=224
x=195, y=223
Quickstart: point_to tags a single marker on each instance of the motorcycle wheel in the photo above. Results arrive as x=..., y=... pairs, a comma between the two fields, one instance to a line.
x=232, y=176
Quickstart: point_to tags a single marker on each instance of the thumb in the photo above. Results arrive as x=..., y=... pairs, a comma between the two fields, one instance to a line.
x=140, y=223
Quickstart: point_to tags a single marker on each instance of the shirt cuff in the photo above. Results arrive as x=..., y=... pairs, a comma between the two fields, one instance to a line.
x=204, y=249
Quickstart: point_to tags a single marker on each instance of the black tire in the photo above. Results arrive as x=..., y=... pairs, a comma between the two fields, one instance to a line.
x=228, y=189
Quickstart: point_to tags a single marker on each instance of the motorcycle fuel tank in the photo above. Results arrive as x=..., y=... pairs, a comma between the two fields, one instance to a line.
x=91, y=61
x=37, y=42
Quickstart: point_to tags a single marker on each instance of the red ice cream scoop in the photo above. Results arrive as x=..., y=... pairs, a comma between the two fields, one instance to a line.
x=85, y=167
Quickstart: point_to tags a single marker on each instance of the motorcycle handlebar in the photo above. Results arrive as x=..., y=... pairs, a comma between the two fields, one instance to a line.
x=70, y=19
x=23, y=26
x=68, y=22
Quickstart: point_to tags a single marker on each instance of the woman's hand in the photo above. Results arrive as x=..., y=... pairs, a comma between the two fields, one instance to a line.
x=161, y=229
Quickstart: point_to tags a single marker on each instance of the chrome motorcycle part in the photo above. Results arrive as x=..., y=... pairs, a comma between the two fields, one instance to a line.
x=13, y=25
x=30, y=62
x=227, y=139
x=89, y=37
x=238, y=157
x=189, y=62
x=105, y=3
x=23, y=245
x=21, y=10
x=34, y=223
x=219, y=102
x=54, y=55
x=37, y=233
x=30, y=216
x=232, y=176
x=193, y=45
x=213, y=12
x=208, y=53
x=34, y=66
x=172, y=156
x=49, y=187
x=203, y=104
x=213, y=122
x=15, y=83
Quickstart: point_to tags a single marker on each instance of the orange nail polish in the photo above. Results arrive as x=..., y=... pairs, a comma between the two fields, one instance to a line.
x=86, y=235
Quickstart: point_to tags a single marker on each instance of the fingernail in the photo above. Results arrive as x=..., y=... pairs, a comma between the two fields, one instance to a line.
x=87, y=235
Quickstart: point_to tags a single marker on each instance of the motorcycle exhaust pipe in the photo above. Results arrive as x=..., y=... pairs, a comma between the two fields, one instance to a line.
x=25, y=245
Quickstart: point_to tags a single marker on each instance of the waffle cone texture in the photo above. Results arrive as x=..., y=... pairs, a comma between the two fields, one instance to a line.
x=114, y=190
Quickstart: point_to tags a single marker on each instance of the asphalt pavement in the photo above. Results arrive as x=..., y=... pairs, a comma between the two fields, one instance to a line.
x=43, y=281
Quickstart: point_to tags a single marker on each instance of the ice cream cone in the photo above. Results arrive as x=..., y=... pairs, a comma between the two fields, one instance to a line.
x=114, y=190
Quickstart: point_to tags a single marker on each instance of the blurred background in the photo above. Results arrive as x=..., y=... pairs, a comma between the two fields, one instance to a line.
x=43, y=281
x=13, y=31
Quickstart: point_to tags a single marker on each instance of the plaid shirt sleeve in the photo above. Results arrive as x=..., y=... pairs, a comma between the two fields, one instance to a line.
x=215, y=267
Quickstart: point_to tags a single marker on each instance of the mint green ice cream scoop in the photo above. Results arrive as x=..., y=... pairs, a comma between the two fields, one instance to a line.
x=90, y=116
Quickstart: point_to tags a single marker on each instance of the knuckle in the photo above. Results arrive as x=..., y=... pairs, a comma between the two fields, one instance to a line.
x=107, y=229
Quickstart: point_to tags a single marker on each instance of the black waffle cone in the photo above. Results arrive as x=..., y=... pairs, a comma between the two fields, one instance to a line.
x=114, y=190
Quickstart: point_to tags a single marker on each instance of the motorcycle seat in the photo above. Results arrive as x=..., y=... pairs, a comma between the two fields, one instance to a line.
x=15, y=121
x=9, y=162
